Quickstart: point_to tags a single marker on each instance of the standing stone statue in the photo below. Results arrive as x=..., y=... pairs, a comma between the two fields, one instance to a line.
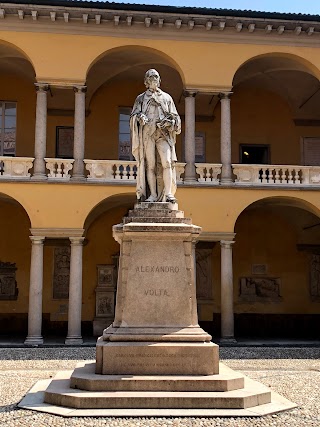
x=154, y=125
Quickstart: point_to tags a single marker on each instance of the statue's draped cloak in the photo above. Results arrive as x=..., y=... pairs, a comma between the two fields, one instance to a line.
x=168, y=109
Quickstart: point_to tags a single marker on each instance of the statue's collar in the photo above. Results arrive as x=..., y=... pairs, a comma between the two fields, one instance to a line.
x=151, y=93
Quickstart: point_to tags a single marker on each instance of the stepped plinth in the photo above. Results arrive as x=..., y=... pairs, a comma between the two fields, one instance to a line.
x=155, y=357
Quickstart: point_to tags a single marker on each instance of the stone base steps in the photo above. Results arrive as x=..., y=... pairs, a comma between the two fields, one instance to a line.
x=86, y=390
x=84, y=378
x=59, y=393
x=58, y=398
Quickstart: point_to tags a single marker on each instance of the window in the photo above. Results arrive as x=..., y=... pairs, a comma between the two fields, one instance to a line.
x=254, y=154
x=311, y=151
x=8, y=117
x=124, y=134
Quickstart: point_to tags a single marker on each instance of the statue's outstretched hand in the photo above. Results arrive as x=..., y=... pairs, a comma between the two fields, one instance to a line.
x=143, y=119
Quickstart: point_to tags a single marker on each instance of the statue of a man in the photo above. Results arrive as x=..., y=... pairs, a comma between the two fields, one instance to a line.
x=154, y=125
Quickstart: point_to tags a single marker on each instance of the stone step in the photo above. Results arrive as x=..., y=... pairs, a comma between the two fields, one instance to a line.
x=156, y=205
x=60, y=393
x=127, y=220
x=145, y=213
x=85, y=378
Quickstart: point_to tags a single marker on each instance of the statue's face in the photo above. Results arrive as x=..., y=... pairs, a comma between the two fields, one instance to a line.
x=153, y=79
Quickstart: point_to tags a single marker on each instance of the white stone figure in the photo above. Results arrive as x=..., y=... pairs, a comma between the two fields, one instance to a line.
x=154, y=125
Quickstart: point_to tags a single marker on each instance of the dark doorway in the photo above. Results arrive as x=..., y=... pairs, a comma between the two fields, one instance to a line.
x=254, y=154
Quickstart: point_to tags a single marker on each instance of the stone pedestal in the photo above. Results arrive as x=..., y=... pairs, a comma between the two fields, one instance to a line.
x=156, y=331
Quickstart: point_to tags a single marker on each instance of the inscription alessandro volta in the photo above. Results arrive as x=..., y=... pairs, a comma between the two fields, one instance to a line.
x=157, y=292
x=157, y=269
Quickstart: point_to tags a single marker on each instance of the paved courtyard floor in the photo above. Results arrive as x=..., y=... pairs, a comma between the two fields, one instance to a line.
x=290, y=371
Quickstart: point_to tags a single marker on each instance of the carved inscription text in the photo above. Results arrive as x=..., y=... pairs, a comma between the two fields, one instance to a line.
x=157, y=292
x=157, y=269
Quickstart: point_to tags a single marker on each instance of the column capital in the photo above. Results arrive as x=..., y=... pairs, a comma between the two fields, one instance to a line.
x=42, y=87
x=225, y=95
x=76, y=241
x=190, y=93
x=227, y=243
x=37, y=240
x=80, y=89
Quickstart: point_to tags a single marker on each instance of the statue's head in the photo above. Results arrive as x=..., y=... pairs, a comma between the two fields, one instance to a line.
x=152, y=79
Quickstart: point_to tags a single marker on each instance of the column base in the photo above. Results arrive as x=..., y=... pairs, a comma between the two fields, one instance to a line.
x=76, y=340
x=39, y=177
x=34, y=340
x=78, y=178
x=190, y=180
x=228, y=340
x=226, y=181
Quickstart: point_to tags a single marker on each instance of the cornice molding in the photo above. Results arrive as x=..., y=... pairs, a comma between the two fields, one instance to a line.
x=211, y=236
x=146, y=24
x=57, y=232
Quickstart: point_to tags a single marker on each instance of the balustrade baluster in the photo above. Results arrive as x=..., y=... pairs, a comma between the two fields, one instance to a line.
x=264, y=176
x=131, y=173
x=277, y=175
x=272, y=173
x=118, y=172
x=290, y=176
x=296, y=176
x=283, y=177
x=58, y=169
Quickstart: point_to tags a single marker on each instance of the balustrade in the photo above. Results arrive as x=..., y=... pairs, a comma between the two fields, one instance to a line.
x=208, y=172
x=111, y=170
x=276, y=174
x=118, y=170
x=15, y=167
x=59, y=168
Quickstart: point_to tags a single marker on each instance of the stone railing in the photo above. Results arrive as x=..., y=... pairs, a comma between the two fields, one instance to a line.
x=15, y=167
x=118, y=170
x=59, y=168
x=276, y=174
x=111, y=170
x=208, y=172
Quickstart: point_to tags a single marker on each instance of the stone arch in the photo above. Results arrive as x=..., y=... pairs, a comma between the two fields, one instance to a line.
x=15, y=59
x=276, y=238
x=118, y=200
x=286, y=61
x=292, y=77
x=5, y=197
x=124, y=59
x=281, y=201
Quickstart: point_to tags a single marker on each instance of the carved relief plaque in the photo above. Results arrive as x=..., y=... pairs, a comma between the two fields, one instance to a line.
x=61, y=272
x=8, y=284
x=260, y=289
x=315, y=276
x=204, y=273
x=105, y=304
x=105, y=297
x=259, y=269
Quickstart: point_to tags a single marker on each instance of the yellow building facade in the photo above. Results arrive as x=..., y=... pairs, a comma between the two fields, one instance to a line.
x=246, y=85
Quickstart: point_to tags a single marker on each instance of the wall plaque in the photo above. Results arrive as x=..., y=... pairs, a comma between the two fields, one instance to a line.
x=105, y=297
x=204, y=273
x=105, y=275
x=8, y=284
x=259, y=269
x=315, y=277
x=61, y=272
x=258, y=289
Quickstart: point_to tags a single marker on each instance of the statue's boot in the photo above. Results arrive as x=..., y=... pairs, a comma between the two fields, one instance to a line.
x=152, y=199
